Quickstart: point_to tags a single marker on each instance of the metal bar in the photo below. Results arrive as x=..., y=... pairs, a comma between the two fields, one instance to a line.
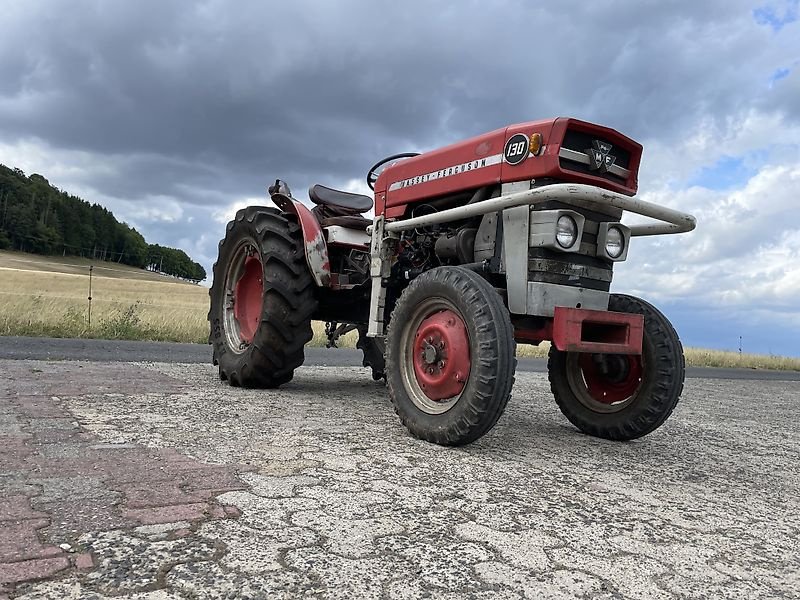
x=379, y=268
x=672, y=221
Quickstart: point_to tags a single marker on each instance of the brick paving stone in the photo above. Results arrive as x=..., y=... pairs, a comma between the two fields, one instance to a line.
x=14, y=452
x=11, y=486
x=10, y=427
x=58, y=482
x=54, y=436
x=42, y=408
x=75, y=487
x=18, y=507
x=165, y=493
x=84, y=561
x=36, y=425
x=61, y=451
x=31, y=570
x=19, y=541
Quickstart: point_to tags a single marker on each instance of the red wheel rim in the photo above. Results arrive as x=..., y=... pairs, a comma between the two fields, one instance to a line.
x=248, y=298
x=441, y=355
x=611, y=388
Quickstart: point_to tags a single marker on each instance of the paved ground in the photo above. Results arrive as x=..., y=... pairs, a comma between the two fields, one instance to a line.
x=157, y=482
x=32, y=348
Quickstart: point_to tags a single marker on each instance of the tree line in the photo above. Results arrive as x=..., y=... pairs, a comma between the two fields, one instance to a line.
x=39, y=218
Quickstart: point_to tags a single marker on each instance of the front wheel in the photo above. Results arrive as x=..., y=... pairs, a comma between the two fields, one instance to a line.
x=450, y=356
x=617, y=396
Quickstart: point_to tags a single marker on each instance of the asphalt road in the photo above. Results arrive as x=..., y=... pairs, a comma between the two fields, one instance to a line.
x=160, y=482
x=128, y=351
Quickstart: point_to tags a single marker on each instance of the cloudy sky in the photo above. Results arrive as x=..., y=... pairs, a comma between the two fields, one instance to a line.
x=173, y=114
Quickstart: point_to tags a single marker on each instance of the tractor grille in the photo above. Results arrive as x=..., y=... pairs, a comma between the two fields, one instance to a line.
x=573, y=156
x=582, y=269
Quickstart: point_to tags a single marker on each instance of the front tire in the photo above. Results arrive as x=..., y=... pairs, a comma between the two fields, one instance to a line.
x=450, y=356
x=262, y=299
x=621, y=397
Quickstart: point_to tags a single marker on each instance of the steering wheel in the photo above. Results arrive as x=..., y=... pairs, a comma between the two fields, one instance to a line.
x=373, y=174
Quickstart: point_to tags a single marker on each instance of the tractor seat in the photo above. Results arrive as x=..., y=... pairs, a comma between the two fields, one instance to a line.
x=342, y=203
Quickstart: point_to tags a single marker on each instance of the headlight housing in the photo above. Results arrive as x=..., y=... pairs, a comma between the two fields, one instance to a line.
x=612, y=241
x=559, y=229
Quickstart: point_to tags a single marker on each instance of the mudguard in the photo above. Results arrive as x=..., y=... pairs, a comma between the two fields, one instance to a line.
x=316, y=250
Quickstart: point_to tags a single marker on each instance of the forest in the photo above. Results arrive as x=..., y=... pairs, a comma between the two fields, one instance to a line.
x=39, y=218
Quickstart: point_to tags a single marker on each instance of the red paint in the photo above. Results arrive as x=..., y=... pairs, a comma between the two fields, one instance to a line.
x=593, y=331
x=441, y=355
x=248, y=298
x=316, y=250
x=393, y=203
x=578, y=330
x=606, y=389
x=474, y=149
x=547, y=165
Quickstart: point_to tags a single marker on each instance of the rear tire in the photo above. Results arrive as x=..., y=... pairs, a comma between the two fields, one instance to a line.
x=620, y=397
x=450, y=356
x=262, y=299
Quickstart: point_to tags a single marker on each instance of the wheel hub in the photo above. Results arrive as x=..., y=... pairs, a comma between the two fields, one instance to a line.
x=441, y=355
x=611, y=378
x=431, y=354
x=248, y=298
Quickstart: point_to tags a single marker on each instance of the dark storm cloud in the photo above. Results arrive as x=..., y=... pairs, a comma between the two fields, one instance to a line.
x=223, y=96
x=173, y=113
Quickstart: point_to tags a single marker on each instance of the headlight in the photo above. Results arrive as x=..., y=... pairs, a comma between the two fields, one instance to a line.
x=615, y=242
x=612, y=241
x=566, y=231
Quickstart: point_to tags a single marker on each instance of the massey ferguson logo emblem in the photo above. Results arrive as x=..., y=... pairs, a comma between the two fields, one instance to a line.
x=599, y=157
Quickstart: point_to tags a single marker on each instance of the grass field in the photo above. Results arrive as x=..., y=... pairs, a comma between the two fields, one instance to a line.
x=47, y=296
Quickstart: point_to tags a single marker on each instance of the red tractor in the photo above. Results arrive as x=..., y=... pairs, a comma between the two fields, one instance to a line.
x=507, y=237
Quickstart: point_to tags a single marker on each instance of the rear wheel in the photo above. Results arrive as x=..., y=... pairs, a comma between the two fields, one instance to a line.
x=450, y=356
x=617, y=396
x=262, y=299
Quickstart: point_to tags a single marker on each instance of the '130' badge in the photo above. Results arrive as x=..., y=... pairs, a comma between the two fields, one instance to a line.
x=516, y=149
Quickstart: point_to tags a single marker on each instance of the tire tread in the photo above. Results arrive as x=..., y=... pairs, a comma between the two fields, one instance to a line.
x=277, y=349
x=651, y=410
x=493, y=369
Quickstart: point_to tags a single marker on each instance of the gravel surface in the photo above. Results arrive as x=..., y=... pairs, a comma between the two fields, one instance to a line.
x=337, y=501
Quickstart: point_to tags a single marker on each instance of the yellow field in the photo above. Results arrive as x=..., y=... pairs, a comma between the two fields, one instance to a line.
x=45, y=296
x=48, y=296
